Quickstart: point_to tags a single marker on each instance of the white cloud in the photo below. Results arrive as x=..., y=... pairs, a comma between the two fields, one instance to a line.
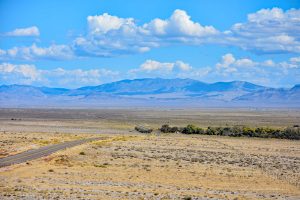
x=267, y=31
x=28, y=71
x=229, y=64
x=265, y=72
x=24, y=71
x=227, y=60
x=289, y=65
x=101, y=24
x=229, y=68
x=58, y=77
x=183, y=66
x=268, y=63
x=264, y=15
x=150, y=66
x=179, y=24
x=30, y=31
x=295, y=59
x=245, y=62
x=111, y=35
x=33, y=52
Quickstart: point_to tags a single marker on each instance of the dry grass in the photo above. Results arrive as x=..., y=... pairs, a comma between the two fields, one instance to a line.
x=128, y=165
x=165, y=167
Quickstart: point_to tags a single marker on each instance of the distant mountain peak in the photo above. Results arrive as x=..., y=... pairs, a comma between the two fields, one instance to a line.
x=145, y=90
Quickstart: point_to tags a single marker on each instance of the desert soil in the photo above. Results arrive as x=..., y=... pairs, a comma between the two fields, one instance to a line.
x=129, y=165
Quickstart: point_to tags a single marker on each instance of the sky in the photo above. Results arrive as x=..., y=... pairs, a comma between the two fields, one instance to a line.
x=75, y=43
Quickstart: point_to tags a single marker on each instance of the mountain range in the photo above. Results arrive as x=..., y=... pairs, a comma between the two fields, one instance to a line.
x=151, y=92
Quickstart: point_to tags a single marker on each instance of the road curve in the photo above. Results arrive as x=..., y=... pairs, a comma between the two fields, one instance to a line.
x=43, y=151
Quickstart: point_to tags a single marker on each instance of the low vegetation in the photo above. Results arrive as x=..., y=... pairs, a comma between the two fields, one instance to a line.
x=237, y=131
x=143, y=129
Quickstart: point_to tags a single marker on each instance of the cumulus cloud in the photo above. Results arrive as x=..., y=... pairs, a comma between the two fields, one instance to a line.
x=230, y=64
x=183, y=66
x=267, y=31
x=179, y=24
x=29, y=31
x=101, y=24
x=111, y=35
x=265, y=72
x=227, y=60
x=33, y=52
x=58, y=77
x=229, y=68
x=24, y=73
x=153, y=66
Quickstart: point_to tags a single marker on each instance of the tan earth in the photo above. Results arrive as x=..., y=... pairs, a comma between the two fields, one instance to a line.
x=129, y=165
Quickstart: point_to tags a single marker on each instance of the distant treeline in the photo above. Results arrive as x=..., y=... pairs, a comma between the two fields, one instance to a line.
x=237, y=131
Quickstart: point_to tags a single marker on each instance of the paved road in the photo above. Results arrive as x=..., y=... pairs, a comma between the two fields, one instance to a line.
x=43, y=151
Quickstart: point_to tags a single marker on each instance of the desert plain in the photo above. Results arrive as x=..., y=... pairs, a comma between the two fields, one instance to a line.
x=126, y=164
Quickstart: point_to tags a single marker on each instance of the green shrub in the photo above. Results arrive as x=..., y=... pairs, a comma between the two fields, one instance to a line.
x=291, y=133
x=174, y=129
x=237, y=131
x=189, y=129
x=165, y=128
x=192, y=129
x=143, y=129
x=210, y=131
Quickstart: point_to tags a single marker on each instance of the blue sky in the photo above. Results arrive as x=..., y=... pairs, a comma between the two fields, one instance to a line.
x=78, y=43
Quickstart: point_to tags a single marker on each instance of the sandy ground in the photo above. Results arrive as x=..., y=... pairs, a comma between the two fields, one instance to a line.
x=129, y=165
x=126, y=118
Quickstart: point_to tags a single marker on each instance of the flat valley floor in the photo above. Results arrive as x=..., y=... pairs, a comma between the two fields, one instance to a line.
x=130, y=165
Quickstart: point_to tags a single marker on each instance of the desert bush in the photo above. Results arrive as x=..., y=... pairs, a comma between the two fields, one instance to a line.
x=174, y=129
x=210, y=131
x=246, y=131
x=168, y=129
x=165, y=128
x=238, y=131
x=143, y=129
x=291, y=133
x=192, y=129
x=189, y=129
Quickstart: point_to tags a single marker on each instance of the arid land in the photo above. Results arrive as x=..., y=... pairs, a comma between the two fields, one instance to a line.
x=131, y=165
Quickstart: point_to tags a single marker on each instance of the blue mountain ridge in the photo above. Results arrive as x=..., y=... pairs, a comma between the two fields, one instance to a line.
x=154, y=90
